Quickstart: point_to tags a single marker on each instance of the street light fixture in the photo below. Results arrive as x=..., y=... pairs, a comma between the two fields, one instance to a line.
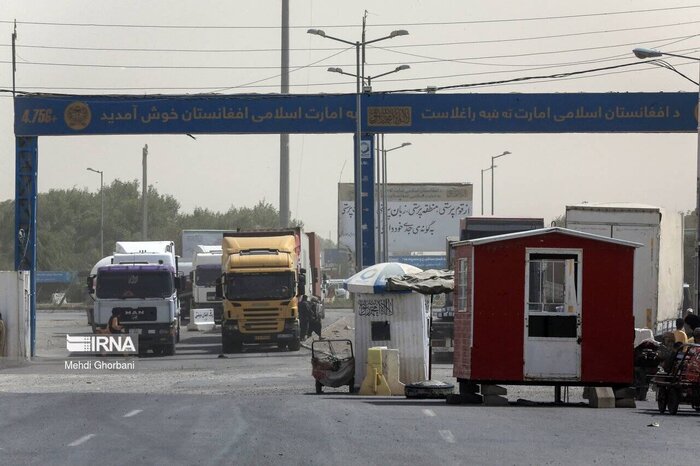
x=644, y=53
x=369, y=78
x=385, y=216
x=102, y=211
x=492, y=167
x=358, y=129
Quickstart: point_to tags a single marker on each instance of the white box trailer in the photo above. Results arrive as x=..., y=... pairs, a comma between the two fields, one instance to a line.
x=658, y=265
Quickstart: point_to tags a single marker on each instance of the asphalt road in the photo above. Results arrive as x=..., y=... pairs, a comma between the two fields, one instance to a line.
x=259, y=407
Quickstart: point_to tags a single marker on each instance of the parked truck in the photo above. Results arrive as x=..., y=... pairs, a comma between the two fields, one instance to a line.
x=190, y=239
x=206, y=270
x=140, y=283
x=658, y=265
x=265, y=273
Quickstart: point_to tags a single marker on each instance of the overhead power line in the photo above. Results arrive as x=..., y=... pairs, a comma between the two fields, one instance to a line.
x=416, y=24
x=514, y=81
x=426, y=60
x=276, y=50
x=524, y=78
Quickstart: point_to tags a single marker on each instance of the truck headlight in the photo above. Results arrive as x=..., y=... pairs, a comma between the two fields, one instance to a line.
x=289, y=324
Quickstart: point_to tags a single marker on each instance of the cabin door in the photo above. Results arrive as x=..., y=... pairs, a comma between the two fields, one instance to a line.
x=553, y=314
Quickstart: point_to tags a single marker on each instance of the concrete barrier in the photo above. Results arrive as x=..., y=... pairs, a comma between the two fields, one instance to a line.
x=201, y=319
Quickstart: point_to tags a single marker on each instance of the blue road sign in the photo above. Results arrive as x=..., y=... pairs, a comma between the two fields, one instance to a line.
x=38, y=115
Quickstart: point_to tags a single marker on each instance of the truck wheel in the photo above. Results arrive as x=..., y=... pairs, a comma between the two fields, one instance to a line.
x=157, y=350
x=294, y=345
x=229, y=345
x=281, y=346
x=169, y=350
x=662, y=399
x=673, y=400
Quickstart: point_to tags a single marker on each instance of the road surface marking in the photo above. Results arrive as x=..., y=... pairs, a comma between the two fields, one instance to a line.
x=447, y=436
x=133, y=413
x=81, y=440
x=429, y=412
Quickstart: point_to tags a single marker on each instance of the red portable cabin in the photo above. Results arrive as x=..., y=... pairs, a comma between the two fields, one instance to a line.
x=544, y=307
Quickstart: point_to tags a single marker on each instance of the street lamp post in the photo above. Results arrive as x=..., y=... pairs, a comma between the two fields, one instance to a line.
x=358, y=130
x=385, y=215
x=492, y=167
x=482, y=187
x=643, y=53
x=102, y=211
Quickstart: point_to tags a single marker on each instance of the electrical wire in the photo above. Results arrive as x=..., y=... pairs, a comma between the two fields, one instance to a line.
x=520, y=79
x=260, y=50
x=468, y=60
x=422, y=23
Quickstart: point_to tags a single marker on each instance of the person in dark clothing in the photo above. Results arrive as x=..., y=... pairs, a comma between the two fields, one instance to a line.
x=316, y=316
x=692, y=321
x=113, y=325
x=305, y=315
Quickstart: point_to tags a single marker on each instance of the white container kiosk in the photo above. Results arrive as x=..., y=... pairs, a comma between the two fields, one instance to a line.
x=397, y=320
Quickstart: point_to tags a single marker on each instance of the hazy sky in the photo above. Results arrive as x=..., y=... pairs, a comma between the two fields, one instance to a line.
x=450, y=42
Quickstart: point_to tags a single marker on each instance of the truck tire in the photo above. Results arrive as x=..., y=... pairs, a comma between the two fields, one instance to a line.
x=294, y=345
x=169, y=350
x=229, y=345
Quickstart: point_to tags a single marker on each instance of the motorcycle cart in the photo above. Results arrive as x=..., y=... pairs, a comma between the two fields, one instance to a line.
x=647, y=357
x=333, y=364
x=681, y=384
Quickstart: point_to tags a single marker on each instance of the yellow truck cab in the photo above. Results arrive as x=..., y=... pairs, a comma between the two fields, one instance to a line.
x=263, y=278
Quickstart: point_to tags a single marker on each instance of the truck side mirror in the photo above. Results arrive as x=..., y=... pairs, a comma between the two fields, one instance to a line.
x=219, y=289
x=301, y=284
x=90, y=288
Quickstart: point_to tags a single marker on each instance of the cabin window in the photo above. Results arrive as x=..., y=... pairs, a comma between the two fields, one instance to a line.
x=552, y=283
x=462, y=285
x=553, y=294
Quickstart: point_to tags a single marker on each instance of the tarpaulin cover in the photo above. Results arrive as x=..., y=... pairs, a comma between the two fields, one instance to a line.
x=426, y=282
x=373, y=279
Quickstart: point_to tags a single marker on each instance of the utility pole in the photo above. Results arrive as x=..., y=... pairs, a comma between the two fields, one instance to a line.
x=144, y=195
x=284, y=138
x=14, y=59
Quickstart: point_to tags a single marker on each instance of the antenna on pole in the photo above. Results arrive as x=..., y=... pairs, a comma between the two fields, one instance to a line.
x=14, y=60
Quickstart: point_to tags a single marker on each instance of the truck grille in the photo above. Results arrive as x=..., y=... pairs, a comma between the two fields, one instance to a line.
x=262, y=320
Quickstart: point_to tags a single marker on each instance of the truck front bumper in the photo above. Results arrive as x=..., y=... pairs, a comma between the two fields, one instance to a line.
x=152, y=334
x=290, y=332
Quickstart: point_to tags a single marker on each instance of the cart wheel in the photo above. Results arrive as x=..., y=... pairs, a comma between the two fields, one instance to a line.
x=662, y=399
x=673, y=400
x=319, y=388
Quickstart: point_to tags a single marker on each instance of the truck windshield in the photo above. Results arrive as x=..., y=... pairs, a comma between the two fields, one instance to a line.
x=206, y=275
x=122, y=285
x=250, y=286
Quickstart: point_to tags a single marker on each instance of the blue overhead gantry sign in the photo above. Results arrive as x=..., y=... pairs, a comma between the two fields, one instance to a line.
x=64, y=115
x=335, y=113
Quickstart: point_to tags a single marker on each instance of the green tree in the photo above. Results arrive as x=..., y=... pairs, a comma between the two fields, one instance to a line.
x=68, y=223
